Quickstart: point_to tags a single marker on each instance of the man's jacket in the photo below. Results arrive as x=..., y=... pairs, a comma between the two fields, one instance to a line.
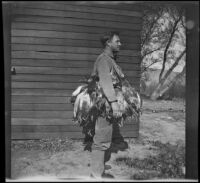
x=109, y=73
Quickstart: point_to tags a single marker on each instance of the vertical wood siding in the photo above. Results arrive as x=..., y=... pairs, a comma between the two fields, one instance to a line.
x=54, y=45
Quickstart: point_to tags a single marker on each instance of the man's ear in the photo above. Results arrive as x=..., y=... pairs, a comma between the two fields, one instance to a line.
x=108, y=42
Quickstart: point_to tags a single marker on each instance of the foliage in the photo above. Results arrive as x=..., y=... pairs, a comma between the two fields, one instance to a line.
x=169, y=163
x=158, y=24
x=163, y=39
x=177, y=90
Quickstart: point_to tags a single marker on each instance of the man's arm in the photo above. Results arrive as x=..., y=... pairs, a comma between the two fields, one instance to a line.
x=105, y=79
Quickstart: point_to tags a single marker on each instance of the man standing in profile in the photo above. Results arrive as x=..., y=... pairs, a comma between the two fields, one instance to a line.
x=110, y=76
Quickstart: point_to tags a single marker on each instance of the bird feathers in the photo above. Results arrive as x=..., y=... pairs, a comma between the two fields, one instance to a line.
x=90, y=103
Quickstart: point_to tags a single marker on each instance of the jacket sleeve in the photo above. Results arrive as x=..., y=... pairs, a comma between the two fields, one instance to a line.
x=105, y=79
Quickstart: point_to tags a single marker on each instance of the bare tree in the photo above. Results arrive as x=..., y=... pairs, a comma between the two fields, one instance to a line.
x=169, y=84
x=160, y=40
x=161, y=87
x=150, y=24
x=171, y=36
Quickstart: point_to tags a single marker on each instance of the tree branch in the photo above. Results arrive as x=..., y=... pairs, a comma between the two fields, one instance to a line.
x=172, y=67
x=159, y=89
x=174, y=80
x=145, y=69
x=183, y=24
x=146, y=37
x=151, y=52
x=167, y=47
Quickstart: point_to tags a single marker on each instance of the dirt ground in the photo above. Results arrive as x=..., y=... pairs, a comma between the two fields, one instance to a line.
x=162, y=121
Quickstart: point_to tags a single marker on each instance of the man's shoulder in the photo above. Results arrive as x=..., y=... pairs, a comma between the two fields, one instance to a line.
x=102, y=57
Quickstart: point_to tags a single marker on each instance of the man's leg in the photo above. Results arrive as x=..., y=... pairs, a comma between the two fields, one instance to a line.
x=118, y=142
x=117, y=136
x=102, y=140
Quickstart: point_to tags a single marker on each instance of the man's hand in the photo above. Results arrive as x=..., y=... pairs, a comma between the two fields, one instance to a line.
x=116, y=109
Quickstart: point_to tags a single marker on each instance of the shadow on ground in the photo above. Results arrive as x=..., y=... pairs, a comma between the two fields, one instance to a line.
x=157, y=153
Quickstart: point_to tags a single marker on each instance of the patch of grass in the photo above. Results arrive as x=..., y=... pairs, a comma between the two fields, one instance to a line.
x=178, y=116
x=48, y=144
x=168, y=163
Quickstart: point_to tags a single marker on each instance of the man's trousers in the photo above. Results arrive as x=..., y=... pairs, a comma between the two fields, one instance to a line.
x=101, y=142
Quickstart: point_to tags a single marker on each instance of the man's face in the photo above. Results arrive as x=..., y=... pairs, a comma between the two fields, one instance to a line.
x=115, y=43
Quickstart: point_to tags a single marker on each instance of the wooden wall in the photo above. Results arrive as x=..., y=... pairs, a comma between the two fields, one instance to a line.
x=54, y=45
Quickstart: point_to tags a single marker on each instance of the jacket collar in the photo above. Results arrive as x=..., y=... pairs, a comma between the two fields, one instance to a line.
x=108, y=52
